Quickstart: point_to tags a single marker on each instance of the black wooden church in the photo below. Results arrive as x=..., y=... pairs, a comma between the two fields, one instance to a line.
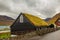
x=22, y=24
x=25, y=23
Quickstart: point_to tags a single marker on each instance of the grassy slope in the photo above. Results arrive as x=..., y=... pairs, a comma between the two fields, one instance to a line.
x=53, y=20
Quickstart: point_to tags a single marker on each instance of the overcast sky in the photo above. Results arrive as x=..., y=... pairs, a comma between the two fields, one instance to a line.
x=40, y=8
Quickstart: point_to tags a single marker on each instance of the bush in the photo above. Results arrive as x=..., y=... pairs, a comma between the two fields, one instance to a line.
x=51, y=26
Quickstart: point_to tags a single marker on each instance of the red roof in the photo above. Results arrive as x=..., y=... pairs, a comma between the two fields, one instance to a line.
x=58, y=22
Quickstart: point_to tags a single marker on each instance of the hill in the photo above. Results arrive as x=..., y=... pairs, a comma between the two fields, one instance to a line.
x=5, y=20
x=47, y=19
x=54, y=19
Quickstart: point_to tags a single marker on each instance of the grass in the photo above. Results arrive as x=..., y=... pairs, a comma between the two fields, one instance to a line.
x=5, y=35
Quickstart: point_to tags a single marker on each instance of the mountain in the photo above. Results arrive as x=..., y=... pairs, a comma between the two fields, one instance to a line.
x=47, y=19
x=54, y=19
x=3, y=17
x=5, y=20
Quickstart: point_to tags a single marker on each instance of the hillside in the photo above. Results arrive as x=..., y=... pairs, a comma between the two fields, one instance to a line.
x=47, y=19
x=5, y=20
x=53, y=20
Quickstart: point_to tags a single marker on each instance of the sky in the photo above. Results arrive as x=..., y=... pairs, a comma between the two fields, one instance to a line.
x=40, y=8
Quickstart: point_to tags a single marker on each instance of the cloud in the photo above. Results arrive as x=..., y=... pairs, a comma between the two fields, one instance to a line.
x=40, y=8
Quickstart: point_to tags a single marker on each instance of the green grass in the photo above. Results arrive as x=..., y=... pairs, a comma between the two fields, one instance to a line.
x=5, y=35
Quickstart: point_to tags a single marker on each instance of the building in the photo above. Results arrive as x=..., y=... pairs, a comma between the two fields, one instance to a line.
x=26, y=23
x=55, y=20
x=58, y=22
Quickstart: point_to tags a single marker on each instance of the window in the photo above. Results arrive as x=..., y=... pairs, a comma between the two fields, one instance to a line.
x=21, y=19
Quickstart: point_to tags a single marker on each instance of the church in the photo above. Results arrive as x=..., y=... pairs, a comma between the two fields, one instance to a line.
x=26, y=23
